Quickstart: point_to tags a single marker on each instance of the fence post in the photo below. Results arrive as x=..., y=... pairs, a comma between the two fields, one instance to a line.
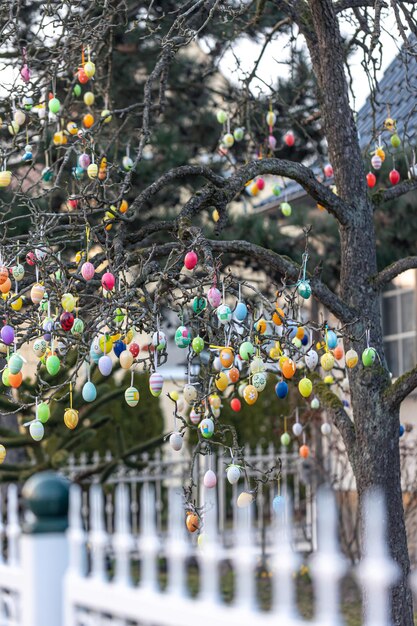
x=44, y=549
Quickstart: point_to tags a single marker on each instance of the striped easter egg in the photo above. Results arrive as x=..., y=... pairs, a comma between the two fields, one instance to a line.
x=155, y=384
x=132, y=396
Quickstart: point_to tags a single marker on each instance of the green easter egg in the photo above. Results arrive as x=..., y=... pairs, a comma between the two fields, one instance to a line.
x=285, y=439
x=53, y=365
x=395, y=141
x=119, y=316
x=286, y=209
x=43, y=412
x=54, y=105
x=246, y=350
x=368, y=357
x=77, y=91
x=5, y=377
x=198, y=344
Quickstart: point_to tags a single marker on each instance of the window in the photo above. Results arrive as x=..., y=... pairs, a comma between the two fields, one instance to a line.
x=399, y=317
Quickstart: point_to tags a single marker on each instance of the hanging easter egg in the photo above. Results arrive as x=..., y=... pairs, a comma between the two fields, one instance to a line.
x=176, y=441
x=226, y=357
x=192, y=522
x=281, y=389
x=215, y=401
x=224, y=314
x=48, y=326
x=105, y=365
x=88, y=98
x=401, y=430
x=3, y=453
x=260, y=183
x=272, y=142
x=371, y=180
x=77, y=327
x=194, y=417
x=315, y=404
x=92, y=170
x=276, y=190
x=82, y=78
x=228, y=140
x=199, y=304
x=39, y=347
x=238, y=134
x=197, y=344
x=271, y=118
x=327, y=361
x=43, y=412
x=331, y=339
x=233, y=474
x=214, y=297
x=288, y=368
x=67, y=321
x=5, y=377
x=132, y=396
x=108, y=281
x=368, y=357
x=134, y=349
x=126, y=360
x=244, y=500
x=54, y=105
x=17, y=303
x=190, y=260
x=13, y=128
x=246, y=350
x=6, y=286
x=18, y=272
x=7, y=334
x=328, y=380
x=190, y=394
x=217, y=364
x=328, y=171
x=4, y=274
x=285, y=439
x=15, y=363
x=84, y=160
x=88, y=121
x=182, y=337
x=289, y=139
x=326, y=429
x=210, y=479
x=53, y=364
x=89, y=391
x=127, y=163
x=395, y=141
x=222, y=381
x=286, y=209
x=250, y=394
x=221, y=116
x=241, y=312
x=376, y=162
x=36, y=430
x=207, y=427
x=351, y=358
x=304, y=289
x=235, y=405
x=89, y=69
x=304, y=452
x=394, y=177
x=305, y=387
x=257, y=365
x=159, y=340
x=37, y=293
x=156, y=382
x=118, y=347
x=15, y=380
x=106, y=116
x=259, y=381
x=71, y=418
x=297, y=429
x=5, y=178
x=233, y=374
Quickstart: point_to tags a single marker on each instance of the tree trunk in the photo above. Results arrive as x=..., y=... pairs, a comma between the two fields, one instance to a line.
x=376, y=429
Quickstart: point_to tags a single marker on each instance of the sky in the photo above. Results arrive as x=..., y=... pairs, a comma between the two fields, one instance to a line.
x=272, y=63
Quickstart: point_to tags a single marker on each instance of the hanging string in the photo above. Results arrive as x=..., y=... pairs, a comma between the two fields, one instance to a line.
x=70, y=394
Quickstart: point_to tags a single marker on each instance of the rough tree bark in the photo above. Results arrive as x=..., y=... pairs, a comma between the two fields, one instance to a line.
x=374, y=451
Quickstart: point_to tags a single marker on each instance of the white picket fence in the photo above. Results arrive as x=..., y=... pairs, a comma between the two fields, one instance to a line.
x=161, y=469
x=66, y=579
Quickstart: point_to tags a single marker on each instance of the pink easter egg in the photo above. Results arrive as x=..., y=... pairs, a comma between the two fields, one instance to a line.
x=210, y=479
x=108, y=281
x=272, y=142
x=190, y=260
x=87, y=270
x=214, y=297
x=84, y=161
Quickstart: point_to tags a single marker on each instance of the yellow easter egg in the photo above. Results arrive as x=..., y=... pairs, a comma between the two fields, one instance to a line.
x=108, y=341
x=222, y=381
x=305, y=387
x=327, y=361
x=351, y=358
x=89, y=98
x=3, y=453
x=71, y=418
x=215, y=401
x=261, y=326
x=215, y=215
x=250, y=394
x=17, y=304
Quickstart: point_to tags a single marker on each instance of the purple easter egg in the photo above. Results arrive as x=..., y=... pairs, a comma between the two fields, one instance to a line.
x=84, y=161
x=7, y=335
x=105, y=365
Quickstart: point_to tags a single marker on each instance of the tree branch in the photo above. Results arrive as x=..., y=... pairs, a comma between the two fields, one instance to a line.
x=402, y=387
x=343, y=5
x=396, y=192
x=386, y=275
x=333, y=405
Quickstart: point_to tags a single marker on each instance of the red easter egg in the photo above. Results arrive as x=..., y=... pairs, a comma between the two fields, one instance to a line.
x=66, y=320
x=73, y=203
x=108, y=281
x=328, y=171
x=31, y=258
x=371, y=179
x=338, y=352
x=134, y=349
x=235, y=404
x=190, y=260
x=82, y=76
x=4, y=274
x=260, y=183
x=289, y=138
x=394, y=177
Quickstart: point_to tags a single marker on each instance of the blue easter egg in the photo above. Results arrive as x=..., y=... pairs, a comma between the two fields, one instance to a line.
x=293, y=330
x=331, y=339
x=94, y=356
x=304, y=340
x=278, y=504
x=402, y=430
x=345, y=403
x=241, y=311
x=281, y=389
x=118, y=347
x=89, y=392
